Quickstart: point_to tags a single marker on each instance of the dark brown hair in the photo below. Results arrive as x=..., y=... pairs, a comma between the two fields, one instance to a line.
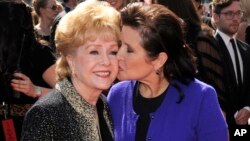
x=161, y=31
x=219, y=5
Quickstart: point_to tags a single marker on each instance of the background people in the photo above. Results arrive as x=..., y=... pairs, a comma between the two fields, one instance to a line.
x=235, y=56
x=243, y=32
x=87, y=65
x=160, y=100
x=68, y=6
x=186, y=11
x=46, y=11
x=20, y=52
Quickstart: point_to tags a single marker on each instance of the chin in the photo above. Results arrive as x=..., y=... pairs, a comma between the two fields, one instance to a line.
x=121, y=77
x=104, y=87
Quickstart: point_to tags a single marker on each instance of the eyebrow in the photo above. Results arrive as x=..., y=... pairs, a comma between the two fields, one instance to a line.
x=127, y=44
x=99, y=45
x=231, y=11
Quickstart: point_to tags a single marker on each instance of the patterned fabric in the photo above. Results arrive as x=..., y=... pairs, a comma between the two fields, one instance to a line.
x=17, y=109
x=210, y=66
x=63, y=115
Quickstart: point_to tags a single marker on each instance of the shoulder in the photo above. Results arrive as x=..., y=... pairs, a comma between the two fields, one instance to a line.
x=198, y=94
x=45, y=102
x=58, y=18
x=248, y=29
x=42, y=118
x=48, y=107
x=42, y=47
x=121, y=89
x=197, y=88
x=122, y=86
x=201, y=86
x=50, y=101
x=43, y=55
x=243, y=45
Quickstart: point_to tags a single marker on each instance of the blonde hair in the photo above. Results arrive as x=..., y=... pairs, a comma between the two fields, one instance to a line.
x=245, y=7
x=89, y=19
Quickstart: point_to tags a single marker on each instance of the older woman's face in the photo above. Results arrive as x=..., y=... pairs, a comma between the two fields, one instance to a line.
x=133, y=61
x=94, y=64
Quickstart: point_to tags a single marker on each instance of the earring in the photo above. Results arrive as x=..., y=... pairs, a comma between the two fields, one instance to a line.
x=157, y=72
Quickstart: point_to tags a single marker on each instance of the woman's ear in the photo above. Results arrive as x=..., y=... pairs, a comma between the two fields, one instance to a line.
x=160, y=60
x=70, y=60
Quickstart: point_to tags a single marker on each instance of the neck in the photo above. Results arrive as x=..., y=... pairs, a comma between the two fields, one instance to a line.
x=154, y=88
x=44, y=26
x=91, y=95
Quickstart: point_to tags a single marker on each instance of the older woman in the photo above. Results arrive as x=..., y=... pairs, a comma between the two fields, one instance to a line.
x=159, y=99
x=87, y=40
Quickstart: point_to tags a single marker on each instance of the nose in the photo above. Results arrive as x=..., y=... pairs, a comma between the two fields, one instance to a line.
x=120, y=54
x=105, y=60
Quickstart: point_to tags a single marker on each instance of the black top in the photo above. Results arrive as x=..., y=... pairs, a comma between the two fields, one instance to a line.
x=53, y=29
x=143, y=107
x=20, y=51
x=34, y=65
x=43, y=37
x=105, y=134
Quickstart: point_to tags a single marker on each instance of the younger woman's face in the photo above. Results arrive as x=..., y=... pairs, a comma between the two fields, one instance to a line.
x=134, y=64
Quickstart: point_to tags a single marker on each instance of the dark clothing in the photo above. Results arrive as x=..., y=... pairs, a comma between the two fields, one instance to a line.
x=236, y=96
x=143, y=107
x=40, y=60
x=63, y=115
x=53, y=29
x=209, y=63
x=247, y=38
x=42, y=37
x=66, y=8
x=191, y=32
x=19, y=52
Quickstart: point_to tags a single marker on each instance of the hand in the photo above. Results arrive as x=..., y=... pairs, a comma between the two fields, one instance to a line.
x=22, y=83
x=242, y=117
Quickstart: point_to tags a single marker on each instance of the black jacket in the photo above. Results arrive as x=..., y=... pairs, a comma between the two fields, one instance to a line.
x=234, y=98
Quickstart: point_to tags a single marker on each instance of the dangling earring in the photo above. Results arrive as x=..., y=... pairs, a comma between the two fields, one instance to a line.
x=157, y=72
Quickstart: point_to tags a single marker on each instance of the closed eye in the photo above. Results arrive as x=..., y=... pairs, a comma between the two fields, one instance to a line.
x=128, y=47
x=113, y=52
x=94, y=52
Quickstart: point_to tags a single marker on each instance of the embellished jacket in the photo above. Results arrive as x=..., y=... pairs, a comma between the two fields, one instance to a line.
x=63, y=115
